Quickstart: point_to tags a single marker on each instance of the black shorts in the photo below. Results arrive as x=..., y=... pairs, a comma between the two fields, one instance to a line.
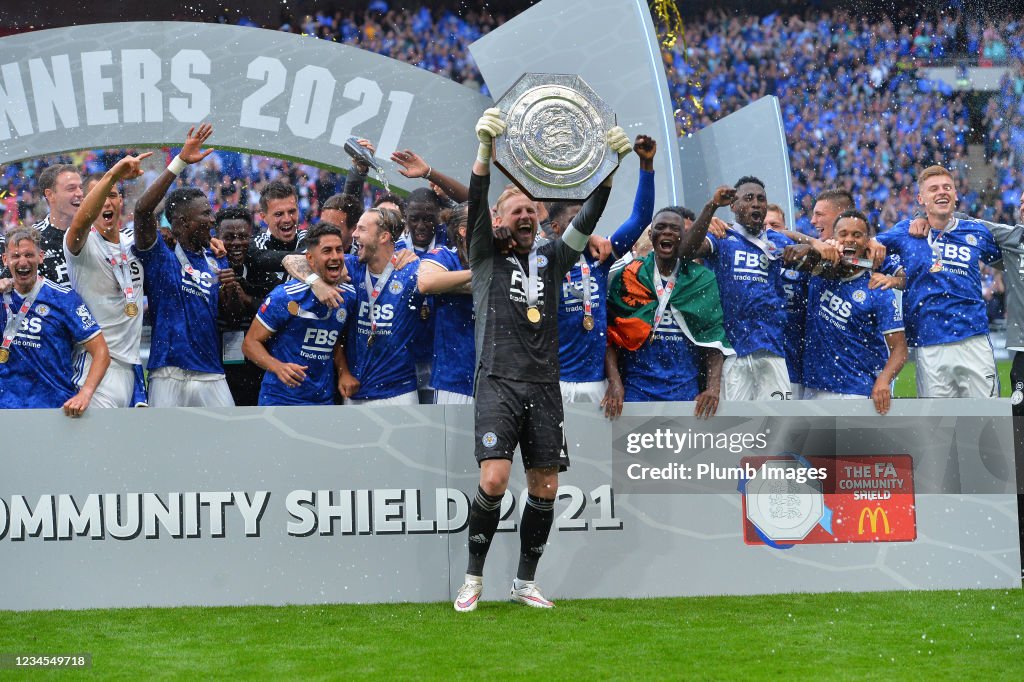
x=509, y=413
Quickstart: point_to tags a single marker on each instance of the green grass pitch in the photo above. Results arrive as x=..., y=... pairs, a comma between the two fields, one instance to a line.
x=968, y=634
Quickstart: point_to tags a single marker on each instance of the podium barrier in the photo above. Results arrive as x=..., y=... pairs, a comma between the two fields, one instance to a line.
x=370, y=504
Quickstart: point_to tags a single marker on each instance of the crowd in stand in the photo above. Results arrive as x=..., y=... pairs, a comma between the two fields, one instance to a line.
x=856, y=109
x=857, y=112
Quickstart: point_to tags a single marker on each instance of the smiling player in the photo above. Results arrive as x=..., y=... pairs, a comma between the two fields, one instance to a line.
x=42, y=323
x=855, y=340
x=387, y=313
x=945, y=312
x=518, y=400
x=294, y=336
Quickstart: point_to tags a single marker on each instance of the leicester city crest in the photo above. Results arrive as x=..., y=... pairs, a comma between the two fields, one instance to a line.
x=395, y=287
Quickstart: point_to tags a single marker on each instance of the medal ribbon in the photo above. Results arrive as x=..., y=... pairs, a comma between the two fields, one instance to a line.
x=584, y=294
x=186, y=266
x=531, y=280
x=664, y=289
x=933, y=242
x=13, y=323
x=763, y=244
x=122, y=272
x=373, y=291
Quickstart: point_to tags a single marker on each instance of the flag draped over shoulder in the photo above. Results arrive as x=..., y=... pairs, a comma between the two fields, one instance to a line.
x=633, y=302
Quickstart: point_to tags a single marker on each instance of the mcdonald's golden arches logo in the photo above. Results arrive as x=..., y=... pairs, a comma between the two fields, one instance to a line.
x=872, y=515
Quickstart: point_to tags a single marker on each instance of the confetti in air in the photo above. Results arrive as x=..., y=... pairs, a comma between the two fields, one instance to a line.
x=672, y=33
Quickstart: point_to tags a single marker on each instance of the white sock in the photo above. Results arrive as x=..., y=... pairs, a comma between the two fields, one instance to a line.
x=479, y=579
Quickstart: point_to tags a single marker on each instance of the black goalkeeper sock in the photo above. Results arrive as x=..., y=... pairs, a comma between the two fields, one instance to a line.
x=483, y=522
x=533, y=535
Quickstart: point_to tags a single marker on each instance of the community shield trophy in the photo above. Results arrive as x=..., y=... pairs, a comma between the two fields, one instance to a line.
x=554, y=146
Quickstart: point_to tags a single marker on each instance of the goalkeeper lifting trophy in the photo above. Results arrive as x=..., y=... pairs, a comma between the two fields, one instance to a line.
x=554, y=146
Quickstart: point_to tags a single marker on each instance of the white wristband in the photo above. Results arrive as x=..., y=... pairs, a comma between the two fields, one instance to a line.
x=312, y=279
x=483, y=153
x=176, y=165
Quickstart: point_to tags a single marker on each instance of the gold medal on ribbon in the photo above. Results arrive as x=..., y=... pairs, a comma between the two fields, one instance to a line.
x=936, y=266
x=131, y=309
x=293, y=308
x=424, y=312
x=533, y=314
x=5, y=355
x=369, y=341
x=588, y=322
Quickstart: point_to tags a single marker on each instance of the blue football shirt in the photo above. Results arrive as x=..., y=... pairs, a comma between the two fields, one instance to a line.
x=304, y=335
x=664, y=368
x=386, y=368
x=751, y=287
x=39, y=372
x=846, y=327
x=454, y=351
x=581, y=352
x=423, y=342
x=794, y=286
x=944, y=305
x=184, y=311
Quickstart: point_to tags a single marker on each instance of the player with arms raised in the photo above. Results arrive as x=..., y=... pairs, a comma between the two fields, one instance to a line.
x=518, y=400
x=748, y=265
x=183, y=285
x=108, y=275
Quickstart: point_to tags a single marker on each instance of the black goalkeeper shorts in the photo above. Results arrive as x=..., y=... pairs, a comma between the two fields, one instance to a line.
x=509, y=413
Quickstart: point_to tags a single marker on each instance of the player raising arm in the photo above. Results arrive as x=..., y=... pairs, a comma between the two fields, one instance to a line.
x=518, y=401
x=108, y=275
x=183, y=286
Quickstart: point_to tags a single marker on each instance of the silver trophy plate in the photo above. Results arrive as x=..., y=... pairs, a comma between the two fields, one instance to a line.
x=784, y=510
x=554, y=148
